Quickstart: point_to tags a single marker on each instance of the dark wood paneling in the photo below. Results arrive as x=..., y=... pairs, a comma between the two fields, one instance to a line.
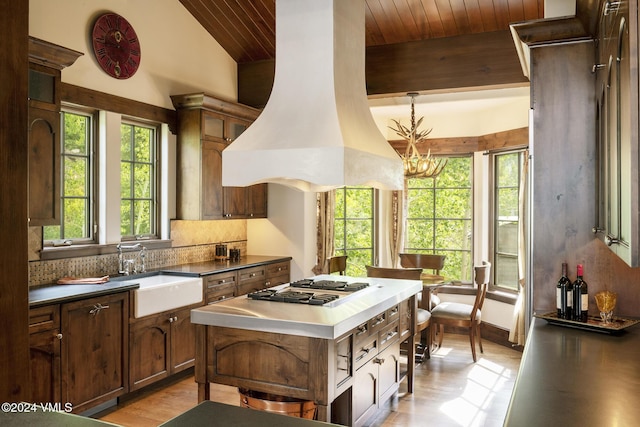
x=104, y=101
x=14, y=66
x=485, y=60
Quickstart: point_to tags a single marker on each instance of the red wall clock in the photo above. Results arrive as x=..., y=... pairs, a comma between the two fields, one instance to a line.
x=116, y=46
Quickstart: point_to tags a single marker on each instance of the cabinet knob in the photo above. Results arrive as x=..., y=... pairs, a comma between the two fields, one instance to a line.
x=610, y=240
x=59, y=336
x=378, y=360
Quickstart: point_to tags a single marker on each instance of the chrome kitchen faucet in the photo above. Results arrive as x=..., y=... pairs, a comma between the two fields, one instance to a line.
x=126, y=265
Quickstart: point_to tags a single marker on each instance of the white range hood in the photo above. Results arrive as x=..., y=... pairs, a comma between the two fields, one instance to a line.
x=316, y=131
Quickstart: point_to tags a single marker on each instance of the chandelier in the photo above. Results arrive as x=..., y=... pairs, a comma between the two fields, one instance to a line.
x=415, y=164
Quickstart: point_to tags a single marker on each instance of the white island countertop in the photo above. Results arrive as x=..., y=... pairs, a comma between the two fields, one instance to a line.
x=328, y=321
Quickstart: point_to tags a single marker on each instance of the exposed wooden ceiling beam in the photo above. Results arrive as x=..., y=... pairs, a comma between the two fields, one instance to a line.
x=486, y=60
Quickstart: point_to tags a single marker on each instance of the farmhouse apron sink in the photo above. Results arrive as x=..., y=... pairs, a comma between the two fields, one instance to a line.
x=165, y=292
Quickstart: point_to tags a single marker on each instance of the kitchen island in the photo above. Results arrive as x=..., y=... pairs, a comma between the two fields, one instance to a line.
x=343, y=355
x=573, y=377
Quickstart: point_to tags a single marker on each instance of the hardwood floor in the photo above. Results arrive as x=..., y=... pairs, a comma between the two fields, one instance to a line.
x=450, y=390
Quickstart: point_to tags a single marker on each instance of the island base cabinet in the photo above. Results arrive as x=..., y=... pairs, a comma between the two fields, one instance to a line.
x=95, y=350
x=375, y=382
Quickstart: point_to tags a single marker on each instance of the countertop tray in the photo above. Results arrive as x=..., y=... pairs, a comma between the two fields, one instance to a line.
x=617, y=325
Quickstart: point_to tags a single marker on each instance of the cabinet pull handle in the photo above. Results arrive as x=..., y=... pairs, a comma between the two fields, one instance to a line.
x=97, y=308
x=361, y=330
x=378, y=360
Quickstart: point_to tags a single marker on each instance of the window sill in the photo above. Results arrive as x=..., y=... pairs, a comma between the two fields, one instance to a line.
x=75, y=251
x=492, y=294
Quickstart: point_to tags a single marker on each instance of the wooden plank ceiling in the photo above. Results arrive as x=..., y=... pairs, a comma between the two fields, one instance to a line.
x=246, y=29
x=435, y=45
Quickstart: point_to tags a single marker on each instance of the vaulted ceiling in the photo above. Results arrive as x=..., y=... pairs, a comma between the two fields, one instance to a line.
x=425, y=46
x=246, y=29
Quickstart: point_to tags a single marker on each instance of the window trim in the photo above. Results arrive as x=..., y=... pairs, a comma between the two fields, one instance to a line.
x=92, y=186
x=156, y=178
x=492, y=215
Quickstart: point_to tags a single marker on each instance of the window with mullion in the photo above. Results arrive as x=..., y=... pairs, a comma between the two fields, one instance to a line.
x=354, y=228
x=76, y=164
x=440, y=217
x=138, y=181
x=506, y=218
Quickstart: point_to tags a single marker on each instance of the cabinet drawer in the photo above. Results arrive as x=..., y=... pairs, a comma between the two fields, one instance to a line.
x=278, y=269
x=219, y=293
x=362, y=353
x=221, y=279
x=388, y=335
x=361, y=333
x=252, y=274
x=378, y=322
x=249, y=287
x=278, y=280
x=44, y=318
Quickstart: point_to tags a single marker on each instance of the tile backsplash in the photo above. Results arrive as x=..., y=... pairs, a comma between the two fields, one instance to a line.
x=192, y=241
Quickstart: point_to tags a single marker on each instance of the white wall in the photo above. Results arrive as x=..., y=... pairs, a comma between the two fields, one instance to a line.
x=178, y=55
x=290, y=229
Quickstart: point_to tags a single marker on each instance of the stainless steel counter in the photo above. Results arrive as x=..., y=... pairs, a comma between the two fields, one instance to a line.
x=575, y=377
x=329, y=321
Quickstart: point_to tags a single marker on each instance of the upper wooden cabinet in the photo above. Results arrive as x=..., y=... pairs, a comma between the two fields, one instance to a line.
x=206, y=126
x=617, y=221
x=46, y=61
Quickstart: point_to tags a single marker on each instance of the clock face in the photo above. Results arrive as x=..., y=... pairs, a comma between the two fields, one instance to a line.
x=116, y=46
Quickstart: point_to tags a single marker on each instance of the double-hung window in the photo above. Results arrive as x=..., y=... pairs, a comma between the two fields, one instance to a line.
x=440, y=217
x=354, y=228
x=138, y=181
x=77, y=175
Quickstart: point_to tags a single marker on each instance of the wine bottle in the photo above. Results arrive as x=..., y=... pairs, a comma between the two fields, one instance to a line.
x=561, y=293
x=568, y=300
x=580, y=297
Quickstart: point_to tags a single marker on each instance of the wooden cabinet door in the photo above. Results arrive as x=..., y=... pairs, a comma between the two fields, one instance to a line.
x=257, y=201
x=388, y=362
x=95, y=350
x=149, y=350
x=365, y=392
x=183, y=340
x=235, y=202
x=44, y=167
x=211, y=185
x=45, y=366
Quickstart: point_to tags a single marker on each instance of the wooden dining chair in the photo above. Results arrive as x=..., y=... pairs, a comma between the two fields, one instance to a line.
x=338, y=264
x=432, y=262
x=464, y=315
x=423, y=317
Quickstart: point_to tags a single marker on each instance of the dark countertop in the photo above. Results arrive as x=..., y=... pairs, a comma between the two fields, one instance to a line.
x=213, y=414
x=212, y=267
x=575, y=377
x=54, y=293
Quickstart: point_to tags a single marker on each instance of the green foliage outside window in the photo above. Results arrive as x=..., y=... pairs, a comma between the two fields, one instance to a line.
x=439, y=217
x=75, y=201
x=353, y=228
x=137, y=181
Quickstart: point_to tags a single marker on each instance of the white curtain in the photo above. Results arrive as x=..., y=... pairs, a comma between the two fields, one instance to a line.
x=518, y=333
x=325, y=236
